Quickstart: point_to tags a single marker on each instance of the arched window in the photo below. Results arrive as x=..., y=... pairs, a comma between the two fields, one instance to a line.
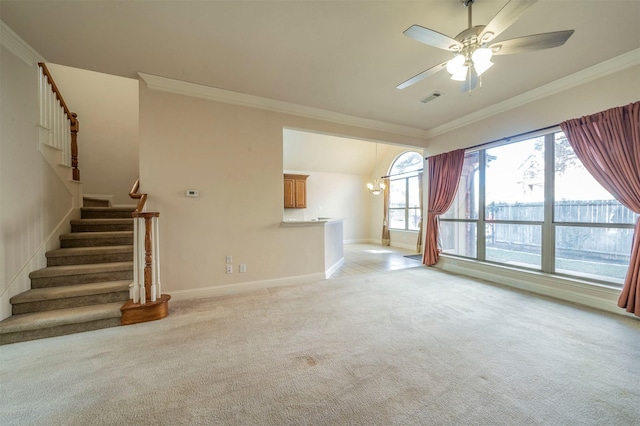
x=404, y=192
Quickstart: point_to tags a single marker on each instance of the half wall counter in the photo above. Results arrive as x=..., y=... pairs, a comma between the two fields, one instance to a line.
x=330, y=231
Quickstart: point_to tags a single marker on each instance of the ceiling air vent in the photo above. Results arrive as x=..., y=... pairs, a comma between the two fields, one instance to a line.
x=431, y=97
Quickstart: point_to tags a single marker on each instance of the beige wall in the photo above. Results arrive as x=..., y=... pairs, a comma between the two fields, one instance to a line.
x=33, y=200
x=234, y=156
x=107, y=108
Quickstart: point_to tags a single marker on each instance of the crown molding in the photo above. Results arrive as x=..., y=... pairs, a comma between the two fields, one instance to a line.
x=613, y=65
x=18, y=46
x=179, y=87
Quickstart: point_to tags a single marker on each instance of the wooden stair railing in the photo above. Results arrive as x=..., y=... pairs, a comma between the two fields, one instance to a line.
x=147, y=301
x=57, y=121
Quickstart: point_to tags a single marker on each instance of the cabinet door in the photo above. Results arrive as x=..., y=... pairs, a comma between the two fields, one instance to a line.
x=289, y=193
x=301, y=193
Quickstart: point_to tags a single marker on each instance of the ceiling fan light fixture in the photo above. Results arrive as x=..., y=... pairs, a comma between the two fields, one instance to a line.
x=460, y=75
x=457, y=68
x=482, y=59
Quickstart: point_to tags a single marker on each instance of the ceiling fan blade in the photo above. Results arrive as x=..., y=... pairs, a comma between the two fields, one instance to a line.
x=531, y=43
x=430, y=37
x=423, y=74
x=503, y=20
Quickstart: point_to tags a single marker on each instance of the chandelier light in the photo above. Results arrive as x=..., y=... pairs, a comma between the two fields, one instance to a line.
x=376, y=188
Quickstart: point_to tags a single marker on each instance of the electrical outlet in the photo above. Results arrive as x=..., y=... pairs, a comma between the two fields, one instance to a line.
x=243, y=267
x=229, y=259
x=229, y=269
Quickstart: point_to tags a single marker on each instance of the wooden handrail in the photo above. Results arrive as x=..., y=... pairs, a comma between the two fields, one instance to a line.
x=136, y=195
x=46, y=72
x=73, y=120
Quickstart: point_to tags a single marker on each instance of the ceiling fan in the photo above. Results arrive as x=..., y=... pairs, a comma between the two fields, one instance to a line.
x=474, y=47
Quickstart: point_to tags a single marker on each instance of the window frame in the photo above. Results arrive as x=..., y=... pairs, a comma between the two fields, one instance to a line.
x=405, y=176
x=548, y=225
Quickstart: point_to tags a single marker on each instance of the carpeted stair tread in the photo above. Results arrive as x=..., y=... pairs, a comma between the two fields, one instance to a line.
x=97, y=235
x=95, y=202
x=109, y=209
x=90, y=254
x=52, y=293
x=60, y=317
x=66, y=270
x=89, y=251
x=106, y=212
x=114, y=220
x=102, y=225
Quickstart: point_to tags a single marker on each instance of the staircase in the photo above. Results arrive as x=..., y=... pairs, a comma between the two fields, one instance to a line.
x=85, y=283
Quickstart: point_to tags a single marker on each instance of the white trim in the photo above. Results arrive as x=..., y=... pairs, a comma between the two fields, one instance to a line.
x=18, y=46
x=227, y=289
x=567, y=289
x=361, y=241
x=184, y=88
x=334, y=268
x=404, y=246
x=294, y=223
x=619, y=63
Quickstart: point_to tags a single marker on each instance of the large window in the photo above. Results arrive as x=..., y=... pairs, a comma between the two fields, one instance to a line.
x=532, y=204
x=404, y=192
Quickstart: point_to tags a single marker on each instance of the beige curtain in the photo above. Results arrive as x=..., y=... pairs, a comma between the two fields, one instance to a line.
x=444, y=173
x=419, y=244
x=608, y=144
x=386, y=236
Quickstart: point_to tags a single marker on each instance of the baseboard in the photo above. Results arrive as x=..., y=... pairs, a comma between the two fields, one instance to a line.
x=237, y=288
x=404, y=246
x=334, y=268
x=567, y=289
x=357, y=241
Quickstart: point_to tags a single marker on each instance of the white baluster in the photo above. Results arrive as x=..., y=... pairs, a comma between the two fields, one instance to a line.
x=153, y=288
x=156, y=250
x=56, y=127
x=135, y=290
x=67, y=141
x=47, y=101
x=141, y=261
x=41, y=95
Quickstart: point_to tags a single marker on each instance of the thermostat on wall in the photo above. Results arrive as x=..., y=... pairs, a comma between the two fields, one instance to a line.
x=191, y=193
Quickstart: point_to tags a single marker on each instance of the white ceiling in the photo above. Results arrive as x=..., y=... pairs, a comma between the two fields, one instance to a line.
x=340, y=56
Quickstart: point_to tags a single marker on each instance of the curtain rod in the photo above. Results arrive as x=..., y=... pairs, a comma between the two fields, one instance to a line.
x=400, y=174
x=508, y=138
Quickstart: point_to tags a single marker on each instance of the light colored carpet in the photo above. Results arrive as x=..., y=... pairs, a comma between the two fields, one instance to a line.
x=406, y=347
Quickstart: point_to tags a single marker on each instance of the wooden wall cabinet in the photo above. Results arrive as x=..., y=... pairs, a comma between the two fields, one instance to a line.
x=295, y=191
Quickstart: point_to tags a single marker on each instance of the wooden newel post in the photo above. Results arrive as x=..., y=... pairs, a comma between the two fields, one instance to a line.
x=75, y=127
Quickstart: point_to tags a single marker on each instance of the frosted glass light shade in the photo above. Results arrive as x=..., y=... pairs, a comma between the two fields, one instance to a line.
x=482, y=60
